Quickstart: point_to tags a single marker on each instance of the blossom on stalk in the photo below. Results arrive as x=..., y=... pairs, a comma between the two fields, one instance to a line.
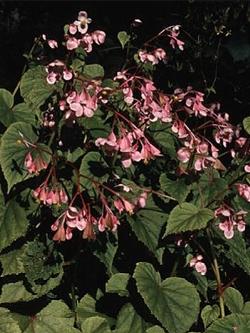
x=229, y=220
x=34, y=165
x=198, y=264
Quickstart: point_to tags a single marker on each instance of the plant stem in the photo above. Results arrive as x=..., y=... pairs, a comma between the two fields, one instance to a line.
x=216, y=270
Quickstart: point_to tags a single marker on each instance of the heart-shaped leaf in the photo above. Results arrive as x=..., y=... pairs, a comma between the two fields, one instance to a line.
x=174, y=301
x=188, y=217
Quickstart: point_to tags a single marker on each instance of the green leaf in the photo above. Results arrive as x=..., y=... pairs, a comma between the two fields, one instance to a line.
x=93, y=168
x=7, y=323
x=128, y=321
x=23, y=112
x=209, y=187
x=168, y=300
x=167, y=141
x=13, y=223
x=6, y=103
x=188, y=217
x=95, y=325
x=93, y=71
x=246, y=308
x=86, y=308
x=155, y=329
x=147, y=224
x=118, y=284
x=12, y=262
x=123, y=38
x=15, y=292
x=228, y=323
x=176, y=188
x=246, y=124
x=209, y=314
x=34, y=88
x=13, y=152
x=54, y=318
x=233, y=300
x=235, y=250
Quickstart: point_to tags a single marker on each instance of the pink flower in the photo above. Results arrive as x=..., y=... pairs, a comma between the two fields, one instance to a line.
x=228, y=228
x=108, y=220
x=98, y=37
x=72, y=43
x=34, y=165
x=52, y=43
x=149, y=151
x=183, y=155
x=174, y=41
x=244, y=191
x=199, y=266
x=247, y=168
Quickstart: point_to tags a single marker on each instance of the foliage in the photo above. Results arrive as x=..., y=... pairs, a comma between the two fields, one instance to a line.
x=124, y=204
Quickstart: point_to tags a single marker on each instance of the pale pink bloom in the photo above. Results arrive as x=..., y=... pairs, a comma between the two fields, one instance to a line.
x=67, y=75
x=34, y=165
x=51, y=78
x=224, y=135
x=202, y=148
x=244, y=191
x=160, y=54
x=241, y=225
x=203, y=162
x=110, y=143
x=174, y=41
x=108, y=220
x=72, y=43
x=149, y=151
x=52, y=43
x=178, y=127
x=228, y=228
x=241, y=141
x=128, y=95
x=183, y=155
x=247, y=168
x=199, y=266
x=87, y=42
x=73, y=29
x=98, y=37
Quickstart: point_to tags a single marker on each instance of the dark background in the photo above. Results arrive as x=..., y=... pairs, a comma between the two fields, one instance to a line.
x=22, y=21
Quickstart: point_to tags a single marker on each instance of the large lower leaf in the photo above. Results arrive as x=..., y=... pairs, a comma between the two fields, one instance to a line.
x=233, y=323
x=13, y=223
x=118, y=284
x=15, y=292
x=34, y=87
x=188, y=217
x=13, y=151
x=7, y=323
x=155, y=329
x=209, y=314
x=233, y=300
x=174, y=301
x=95, y=325
x=128, y=321
x=86, y=308
x=12, y=262
x=54, y=318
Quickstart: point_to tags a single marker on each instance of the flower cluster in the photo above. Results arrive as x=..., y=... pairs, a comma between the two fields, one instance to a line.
x=198, y=264
x=56, y=71
x=244, y=191
x=34, y=165
x=77, y=34
x=153, y=57
x=50, y=196
x=229, y=220
x=133, y=146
